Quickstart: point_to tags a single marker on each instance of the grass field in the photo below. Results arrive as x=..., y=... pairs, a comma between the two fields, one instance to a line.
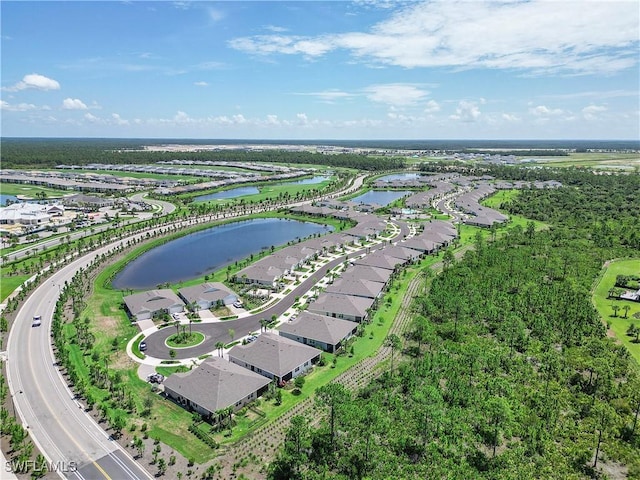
x=624, y=161
x=31, y=190
x=603, y=304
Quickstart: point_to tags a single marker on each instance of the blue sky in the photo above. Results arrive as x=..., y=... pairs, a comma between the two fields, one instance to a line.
x=322, y=70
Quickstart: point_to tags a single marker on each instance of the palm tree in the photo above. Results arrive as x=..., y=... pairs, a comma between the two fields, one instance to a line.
x=219, y=346
x=393, y=341
x=626, y=309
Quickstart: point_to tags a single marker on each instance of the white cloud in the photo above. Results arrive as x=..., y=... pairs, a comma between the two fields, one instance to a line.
x=591, y=112
x=275, y=28
x=432, y=107
x=118, y=120
x=329, y=96
x=91, y=118
x=215, y=15
x=396, y=94
x=73, y=104
x=201, y=84
x=544, y=111
x=510, y=118
x=20, y=107
x=34, y=80
x=302, y=119
x=467, y=111
x=538, y=35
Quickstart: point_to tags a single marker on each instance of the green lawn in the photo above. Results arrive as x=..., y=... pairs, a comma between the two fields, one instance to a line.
x=30, y=190
x=603, y=304
x=9, y=283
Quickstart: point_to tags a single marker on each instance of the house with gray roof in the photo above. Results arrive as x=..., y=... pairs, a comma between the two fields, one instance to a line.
x=347, y=307
x=356, y=287
x=214, y=385
x=380, y=260
x=145, y=305
x=421, y=245
x=275, y=357
x=320, y=331
x=401, y=252
x=363, y=272
x=207, y=295
x=261, y=273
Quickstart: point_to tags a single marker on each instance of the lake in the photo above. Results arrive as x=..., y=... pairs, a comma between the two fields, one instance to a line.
x=399, y=176
x=203, y=252
x=4, y=198
x=380, y=197
x=307, y=181
x=226, y=194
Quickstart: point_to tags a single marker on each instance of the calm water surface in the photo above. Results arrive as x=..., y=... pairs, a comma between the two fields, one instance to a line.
x=381, y=197
x=399, y=176
x=225, y=194
x=4, y=198
x=204, y=252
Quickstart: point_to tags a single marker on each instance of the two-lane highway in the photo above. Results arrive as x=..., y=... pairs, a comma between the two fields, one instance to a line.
x=69, y=438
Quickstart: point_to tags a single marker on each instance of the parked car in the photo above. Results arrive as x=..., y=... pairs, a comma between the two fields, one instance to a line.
x=142, y=346
x=237, y=304
x=155, y=378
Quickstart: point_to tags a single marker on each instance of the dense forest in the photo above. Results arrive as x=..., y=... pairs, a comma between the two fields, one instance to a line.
x=506, y=372
x=47, y=153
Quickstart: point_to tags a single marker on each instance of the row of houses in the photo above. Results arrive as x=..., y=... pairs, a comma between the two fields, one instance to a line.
x=272, y=270
x=482, y=216
x=327, y=323
x=146, y=305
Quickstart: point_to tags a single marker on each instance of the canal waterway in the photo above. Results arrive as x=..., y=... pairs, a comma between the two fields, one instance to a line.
x=380, y=197
x=204, y=252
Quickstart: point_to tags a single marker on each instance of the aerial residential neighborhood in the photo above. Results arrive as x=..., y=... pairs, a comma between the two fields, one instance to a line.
x=301, y=240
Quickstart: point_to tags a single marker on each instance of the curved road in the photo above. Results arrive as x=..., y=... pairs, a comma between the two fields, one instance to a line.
x=219, y=331
x=56, y=422
x=138, y=197
x=66, y=435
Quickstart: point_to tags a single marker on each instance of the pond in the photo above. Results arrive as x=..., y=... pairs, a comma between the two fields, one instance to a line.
x=226, y=194
x=307, y=181
x=380, y=197
x=203, y=252
x=399, y=176
x=4, y=198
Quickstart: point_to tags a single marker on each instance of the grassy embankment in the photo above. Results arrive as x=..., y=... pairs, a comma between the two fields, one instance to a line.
x=31, y=191
x=603, y=303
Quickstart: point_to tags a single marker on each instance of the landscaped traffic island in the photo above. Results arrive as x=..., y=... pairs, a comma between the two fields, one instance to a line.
x=185, y=339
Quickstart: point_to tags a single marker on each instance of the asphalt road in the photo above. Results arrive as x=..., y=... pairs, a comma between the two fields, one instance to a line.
x=43, y=245
x=56, y=421
x=219, y=331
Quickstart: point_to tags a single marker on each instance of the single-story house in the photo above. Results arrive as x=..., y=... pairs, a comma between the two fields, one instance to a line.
x=380, y=260
x=356, y=287
x=260, y=273
x=347, y=307
x=207, y=295
x=275, y=357
x=320, y=331
x=363, y=272
x=145, y=305
x=214, y=385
